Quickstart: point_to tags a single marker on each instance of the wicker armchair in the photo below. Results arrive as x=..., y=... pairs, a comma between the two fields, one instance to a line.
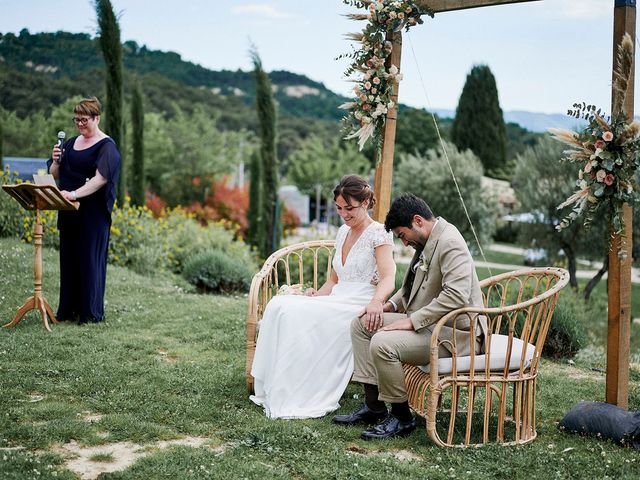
x=518, y=307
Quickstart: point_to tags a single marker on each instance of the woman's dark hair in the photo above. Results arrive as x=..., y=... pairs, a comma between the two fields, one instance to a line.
x=403, y=209
x=88, y=106
x=354, y=187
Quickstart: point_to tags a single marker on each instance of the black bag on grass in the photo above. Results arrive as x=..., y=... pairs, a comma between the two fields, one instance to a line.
x=604, y=420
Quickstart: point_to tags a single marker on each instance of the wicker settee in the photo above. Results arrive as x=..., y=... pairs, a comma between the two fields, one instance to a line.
x=464, y=400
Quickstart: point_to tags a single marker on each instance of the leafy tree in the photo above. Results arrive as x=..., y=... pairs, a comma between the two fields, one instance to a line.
x=137, y=121
x=479, y=123
x=112, y=53
x=415, y=132
x=429, y=177
x=267, y=121
x=317, y=166
x=541, y=183
x=188, y=153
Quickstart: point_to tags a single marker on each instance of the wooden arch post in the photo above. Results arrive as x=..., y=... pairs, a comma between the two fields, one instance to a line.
x=619, y=276
x=384, y=169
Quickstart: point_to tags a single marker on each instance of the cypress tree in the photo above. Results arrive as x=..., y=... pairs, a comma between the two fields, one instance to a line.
x=137, y=166
x=109, y=32
x=267, y=121
x=479, y=123
x=254, y=215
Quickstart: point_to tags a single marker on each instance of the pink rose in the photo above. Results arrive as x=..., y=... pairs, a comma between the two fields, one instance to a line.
x=376, y=80
x=366, y=106
x=600, y=175
x=609, y=179
x=607, y=136
x=367, y=85
x=600, y=144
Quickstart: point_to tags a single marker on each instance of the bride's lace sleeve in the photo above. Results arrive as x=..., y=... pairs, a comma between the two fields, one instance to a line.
x=380, y=236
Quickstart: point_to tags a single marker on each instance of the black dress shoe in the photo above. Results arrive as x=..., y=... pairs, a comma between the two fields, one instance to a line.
x=363, y=415
x=390, y=427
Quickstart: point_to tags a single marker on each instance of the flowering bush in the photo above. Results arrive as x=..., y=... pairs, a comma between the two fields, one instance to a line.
x=607, y=152
x=374, y=87
x=146, y=244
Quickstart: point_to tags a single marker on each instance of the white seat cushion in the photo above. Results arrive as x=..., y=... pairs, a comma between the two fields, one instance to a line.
x=497, y=360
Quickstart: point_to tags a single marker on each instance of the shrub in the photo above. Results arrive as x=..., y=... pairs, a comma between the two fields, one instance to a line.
x=566, y=335
x=215, y=271
x=145, y=244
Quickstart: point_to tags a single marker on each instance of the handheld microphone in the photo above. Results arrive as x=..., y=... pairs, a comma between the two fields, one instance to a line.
x=61, y=136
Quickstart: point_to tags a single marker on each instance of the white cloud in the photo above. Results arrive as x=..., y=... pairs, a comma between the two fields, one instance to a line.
x=582, y=9
x=260, y=10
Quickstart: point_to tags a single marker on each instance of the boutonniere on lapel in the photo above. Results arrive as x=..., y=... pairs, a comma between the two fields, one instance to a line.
x=424, y=263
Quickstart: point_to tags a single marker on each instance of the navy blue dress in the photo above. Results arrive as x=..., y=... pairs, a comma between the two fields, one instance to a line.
x=84, y=234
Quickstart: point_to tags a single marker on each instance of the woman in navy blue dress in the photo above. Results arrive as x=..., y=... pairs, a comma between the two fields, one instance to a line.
x=87, y=168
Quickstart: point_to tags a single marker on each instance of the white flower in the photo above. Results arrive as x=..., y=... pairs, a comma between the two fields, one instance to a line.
x=380, y=110
x=393, y=70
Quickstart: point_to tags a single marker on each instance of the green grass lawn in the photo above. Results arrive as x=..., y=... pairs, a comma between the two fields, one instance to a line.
x=169, y=364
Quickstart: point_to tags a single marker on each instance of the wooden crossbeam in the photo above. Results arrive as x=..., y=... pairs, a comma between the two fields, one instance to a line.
x=438, y=6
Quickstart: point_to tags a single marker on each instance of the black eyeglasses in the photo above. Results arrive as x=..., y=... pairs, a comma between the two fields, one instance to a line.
x=82, y=120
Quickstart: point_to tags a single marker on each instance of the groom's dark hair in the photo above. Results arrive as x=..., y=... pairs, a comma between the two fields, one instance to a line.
x=403, y=209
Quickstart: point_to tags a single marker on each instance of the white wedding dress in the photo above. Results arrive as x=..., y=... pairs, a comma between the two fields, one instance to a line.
x=303, y=359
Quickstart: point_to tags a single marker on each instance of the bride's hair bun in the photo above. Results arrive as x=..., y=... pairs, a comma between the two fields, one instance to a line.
x=354, y=188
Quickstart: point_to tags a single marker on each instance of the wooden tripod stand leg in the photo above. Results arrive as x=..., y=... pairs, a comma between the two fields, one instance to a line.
x=30, y=304
x=42, y=308
x=49, y=311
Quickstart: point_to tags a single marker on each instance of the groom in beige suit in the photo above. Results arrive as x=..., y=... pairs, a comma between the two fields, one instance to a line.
x=440, y=278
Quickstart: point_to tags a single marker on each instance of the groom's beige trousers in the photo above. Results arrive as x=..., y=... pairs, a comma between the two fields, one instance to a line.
x=378, y=356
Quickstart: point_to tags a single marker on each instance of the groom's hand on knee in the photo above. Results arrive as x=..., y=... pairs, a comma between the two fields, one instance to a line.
x=402, y=324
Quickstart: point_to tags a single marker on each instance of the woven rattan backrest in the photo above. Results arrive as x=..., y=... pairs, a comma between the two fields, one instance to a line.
x=535, y=291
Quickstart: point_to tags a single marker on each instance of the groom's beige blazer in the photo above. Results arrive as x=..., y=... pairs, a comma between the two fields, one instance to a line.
x=446, y=282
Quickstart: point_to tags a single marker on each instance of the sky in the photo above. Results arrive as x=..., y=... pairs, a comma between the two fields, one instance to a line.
x=545, y=55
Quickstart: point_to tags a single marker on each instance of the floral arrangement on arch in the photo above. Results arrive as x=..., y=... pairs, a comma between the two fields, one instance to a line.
x=607, y=151
x=374, y=86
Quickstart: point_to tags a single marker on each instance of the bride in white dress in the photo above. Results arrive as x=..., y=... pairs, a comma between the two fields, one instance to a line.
x=303, y=359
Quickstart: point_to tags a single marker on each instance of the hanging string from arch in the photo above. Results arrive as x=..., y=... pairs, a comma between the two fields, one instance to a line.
x=446, y=155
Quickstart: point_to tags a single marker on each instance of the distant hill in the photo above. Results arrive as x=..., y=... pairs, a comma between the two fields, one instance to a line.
x=532, y=121
x=57, y=65
x=38, y=71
